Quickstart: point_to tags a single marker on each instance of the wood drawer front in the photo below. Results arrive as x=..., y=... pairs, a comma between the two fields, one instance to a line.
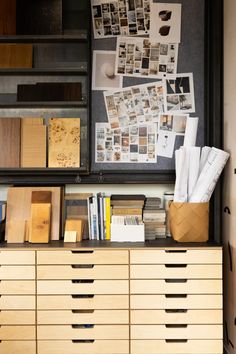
x=17, y=333
x=165, y=347
x=76, y=333
x=165, y=332
x=17, y=257
x=69, y=347
x=83, y=257
x=191, y=256
x=17, y=272
x=17, y=318
x=152, y=302
x=97, y=287
x=196, y=286
x=18, y=347
x=83, y=317
x=176, y=316
x=69, y=272
x=97, y=302
x=19, y=287
x=23, y=302
x=161, y=271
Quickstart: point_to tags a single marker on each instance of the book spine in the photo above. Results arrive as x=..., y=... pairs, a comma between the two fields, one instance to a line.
x=108, y=217
x=127, y=211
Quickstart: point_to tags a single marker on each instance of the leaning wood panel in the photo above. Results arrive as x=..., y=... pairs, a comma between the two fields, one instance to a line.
x=17, y=272
x=17, y=333
x=97, y=287
x=17, y=302
x=7, y=17
x=163, y=347
x=17, y=257
x=97, y=302
x=189, y=256
x=196, y=286
x=82, y=256
x=64, y=142
x=10, y=142
x=176, y=316
x=19, y=317
x=71, y=272
x=83, y=317
x=82, y=333
x=33, y=145
x=185, y=302
x=189, y=271
x=69, y=347
x=19, y=347
x=17, y=287
x=188, y=332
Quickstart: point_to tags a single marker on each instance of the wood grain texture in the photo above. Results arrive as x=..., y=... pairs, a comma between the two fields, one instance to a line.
x=75, y=225
x=7, y=17
x=16, y=231
x=40, y=223
x=41, y=197
x=32, y=121
x=16, y=55
x=33, y=145
x=19, y=208
x=64, y=142
x=10, y=142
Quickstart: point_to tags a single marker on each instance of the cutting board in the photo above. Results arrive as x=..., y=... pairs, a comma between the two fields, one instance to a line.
x=64, y=142
x=19, y=208
x=10, y=142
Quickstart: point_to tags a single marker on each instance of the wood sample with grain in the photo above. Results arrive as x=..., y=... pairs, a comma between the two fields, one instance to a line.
x=7, y=17
x=10, y=142
x=75, y=225
x=40, y=218
x=16, y=55
x=33, y=143
x=64, y=142
x=19, y=209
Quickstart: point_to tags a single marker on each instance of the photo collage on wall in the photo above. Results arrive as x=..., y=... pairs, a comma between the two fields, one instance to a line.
x=142, y=120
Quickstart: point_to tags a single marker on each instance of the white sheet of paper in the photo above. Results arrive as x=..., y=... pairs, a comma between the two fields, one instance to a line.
x=209, y=176
x=181, y=183
x=204, y=155
x=191, y=132
x=165, y=23
x=104, y=77
x=70, y=236
x=166, y=144
x=194, y=162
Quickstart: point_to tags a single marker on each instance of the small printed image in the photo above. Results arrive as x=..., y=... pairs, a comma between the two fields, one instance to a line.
x=114, y=7
x=142, y=131
x=105, y=8
x=97, y=11
x=131, y=17
x=100, y=156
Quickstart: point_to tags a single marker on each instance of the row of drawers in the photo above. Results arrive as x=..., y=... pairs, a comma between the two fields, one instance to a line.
x=113, y=347
x=111, y=256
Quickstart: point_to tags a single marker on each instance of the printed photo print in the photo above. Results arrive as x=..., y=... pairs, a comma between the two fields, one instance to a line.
x=173, y=123
x=142, y=58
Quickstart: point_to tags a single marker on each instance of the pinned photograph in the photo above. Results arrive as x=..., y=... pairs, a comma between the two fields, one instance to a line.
x=139, y=57
x=104, y=77
x=179, y=94
x=173, y=123
x=165, y=24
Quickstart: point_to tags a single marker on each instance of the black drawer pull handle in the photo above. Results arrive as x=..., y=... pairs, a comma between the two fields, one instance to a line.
x=81, y=252
x=82, y=311
x=176, y=265
x=86, y=326
x=175, y=296
x=176, y=340
x=82, y=296
x=176, y=311
x=176, y=280
x=83, y=341
x=84, y=266
x=175, y=251
x=82, y=281
x=176, y=325
x=227, y=210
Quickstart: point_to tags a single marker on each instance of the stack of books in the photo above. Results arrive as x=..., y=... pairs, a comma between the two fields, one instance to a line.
x=128, y=206
x=154, y=218
x=99, y=217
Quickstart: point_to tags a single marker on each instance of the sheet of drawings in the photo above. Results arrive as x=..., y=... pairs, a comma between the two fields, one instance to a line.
x=165, y=24
x=120, y=17
x=142, y=58
x=136, y=144
x=134, y=105
x=179, y=94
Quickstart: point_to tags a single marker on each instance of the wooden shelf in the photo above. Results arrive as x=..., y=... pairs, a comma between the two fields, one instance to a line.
x=54, y=104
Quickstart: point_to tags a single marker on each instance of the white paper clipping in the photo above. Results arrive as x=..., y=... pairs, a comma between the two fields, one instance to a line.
x=191, y=132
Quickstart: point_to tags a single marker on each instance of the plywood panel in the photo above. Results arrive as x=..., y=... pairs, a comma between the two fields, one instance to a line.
x=33, y=145
x=19, y=347
x=40, y=223
x=16, y=55
x=10, y=142
x=64, y=142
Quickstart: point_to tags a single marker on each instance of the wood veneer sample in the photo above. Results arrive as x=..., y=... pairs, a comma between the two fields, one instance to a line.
x=39, y=197
x=10, y=142
x=16, y=231
x=19, y=208
x=40, y=223
x=75, y=225
x=16, y=55
x=33, y=145
x=64, y=142
x=32, y=121
x=7, y=17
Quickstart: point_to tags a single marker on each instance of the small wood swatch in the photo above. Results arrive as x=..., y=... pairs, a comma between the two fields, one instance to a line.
x=10, y=142
x=40, y=223
x=64, y=142
x=33, y=143
x=16, y=55
x=7, y=17
x=75, y=225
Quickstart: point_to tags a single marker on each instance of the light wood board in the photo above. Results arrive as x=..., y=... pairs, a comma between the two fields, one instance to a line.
x=33, y=145
x=40, y=223
x=75, y=225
